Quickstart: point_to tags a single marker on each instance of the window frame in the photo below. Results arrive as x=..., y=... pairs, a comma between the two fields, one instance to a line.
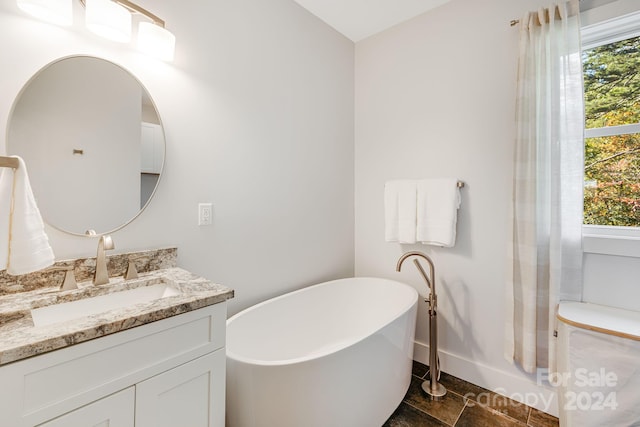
x=607, y=239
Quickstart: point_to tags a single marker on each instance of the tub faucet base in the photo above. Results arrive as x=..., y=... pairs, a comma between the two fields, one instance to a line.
x=434, y=394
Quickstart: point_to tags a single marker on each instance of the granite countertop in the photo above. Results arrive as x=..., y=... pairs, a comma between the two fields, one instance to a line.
x=19, y=338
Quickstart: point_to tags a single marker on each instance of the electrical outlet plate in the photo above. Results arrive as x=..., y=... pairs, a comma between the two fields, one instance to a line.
x=205, y=213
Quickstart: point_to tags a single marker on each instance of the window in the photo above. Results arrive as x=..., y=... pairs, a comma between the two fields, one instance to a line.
x=612, y=134
x=611, y=64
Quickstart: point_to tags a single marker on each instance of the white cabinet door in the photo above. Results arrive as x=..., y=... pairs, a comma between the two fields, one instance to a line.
x=190, y=395
x=152, y=148
x=116, y=410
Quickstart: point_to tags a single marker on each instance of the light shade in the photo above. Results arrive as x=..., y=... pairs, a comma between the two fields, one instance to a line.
x=109, y=20
x=58, y=12
x=156, y=41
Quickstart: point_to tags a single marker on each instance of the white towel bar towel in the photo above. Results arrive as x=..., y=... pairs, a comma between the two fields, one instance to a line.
x=24, y=245
x=400, y=211
x=437, y=211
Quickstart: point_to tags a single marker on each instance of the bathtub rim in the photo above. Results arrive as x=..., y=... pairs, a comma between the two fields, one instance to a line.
x=296, y=360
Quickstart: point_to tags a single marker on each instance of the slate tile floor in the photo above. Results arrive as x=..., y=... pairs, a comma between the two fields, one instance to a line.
x=480, y=407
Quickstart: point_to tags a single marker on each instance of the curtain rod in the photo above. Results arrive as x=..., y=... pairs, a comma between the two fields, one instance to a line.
x=515, y=22
x=9, y=162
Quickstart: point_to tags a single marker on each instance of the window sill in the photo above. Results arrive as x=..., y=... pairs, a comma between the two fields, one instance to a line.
x=619, y=241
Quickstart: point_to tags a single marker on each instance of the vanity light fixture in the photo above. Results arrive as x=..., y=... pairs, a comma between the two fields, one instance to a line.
x=58, y=12
x=156, y=41
x=110, y=19
x=153, y=38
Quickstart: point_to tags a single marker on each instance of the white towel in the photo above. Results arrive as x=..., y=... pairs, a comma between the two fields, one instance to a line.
x=400, y=211
x=437, y=206
x=24, y=246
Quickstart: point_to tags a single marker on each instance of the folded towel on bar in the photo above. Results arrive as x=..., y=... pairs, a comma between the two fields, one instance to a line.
x=24, y=245
x=437, y=211
x=400, y=211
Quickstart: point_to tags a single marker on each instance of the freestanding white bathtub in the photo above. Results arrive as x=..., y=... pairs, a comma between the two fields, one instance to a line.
x=334, y=354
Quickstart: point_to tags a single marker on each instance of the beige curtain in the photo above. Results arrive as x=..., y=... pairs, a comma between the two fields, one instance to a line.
x=545, y=248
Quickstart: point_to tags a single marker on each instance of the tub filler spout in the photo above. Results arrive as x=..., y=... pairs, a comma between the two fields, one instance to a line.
x=432, y=387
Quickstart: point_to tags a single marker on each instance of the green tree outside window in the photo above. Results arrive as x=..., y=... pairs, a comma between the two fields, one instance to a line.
x=612, y=163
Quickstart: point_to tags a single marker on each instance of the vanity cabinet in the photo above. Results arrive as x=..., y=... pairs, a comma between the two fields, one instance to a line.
x=166, y=373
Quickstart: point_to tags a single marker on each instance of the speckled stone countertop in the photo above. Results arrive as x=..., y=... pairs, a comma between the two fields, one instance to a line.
x=19, y=338
x=84, y=268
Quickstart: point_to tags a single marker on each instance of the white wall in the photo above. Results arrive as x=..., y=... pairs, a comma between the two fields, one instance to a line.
x=435, y=97
x=258, y=114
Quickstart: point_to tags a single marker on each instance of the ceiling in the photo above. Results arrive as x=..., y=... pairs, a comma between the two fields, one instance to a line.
x=359, y=19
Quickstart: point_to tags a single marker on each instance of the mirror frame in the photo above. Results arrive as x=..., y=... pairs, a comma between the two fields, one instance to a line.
x=93, y=233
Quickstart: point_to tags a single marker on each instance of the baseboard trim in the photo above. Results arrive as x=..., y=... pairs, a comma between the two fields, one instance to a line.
x=517, y=388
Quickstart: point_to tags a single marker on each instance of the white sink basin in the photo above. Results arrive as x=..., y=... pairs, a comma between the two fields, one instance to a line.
x=62, y=312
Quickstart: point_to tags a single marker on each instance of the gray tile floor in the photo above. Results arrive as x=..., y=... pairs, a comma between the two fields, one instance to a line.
x=456, y=410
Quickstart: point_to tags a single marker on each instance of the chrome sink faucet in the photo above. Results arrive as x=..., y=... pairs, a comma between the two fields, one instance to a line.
x=101, y=276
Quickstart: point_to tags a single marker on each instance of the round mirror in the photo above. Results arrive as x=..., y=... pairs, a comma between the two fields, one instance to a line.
x=92, y=141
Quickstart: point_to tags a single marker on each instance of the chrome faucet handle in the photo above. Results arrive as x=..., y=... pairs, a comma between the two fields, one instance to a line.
x=132, y=272
x=69, y=281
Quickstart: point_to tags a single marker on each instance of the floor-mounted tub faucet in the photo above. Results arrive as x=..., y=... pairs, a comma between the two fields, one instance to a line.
x=432, y=387
x=101, y=276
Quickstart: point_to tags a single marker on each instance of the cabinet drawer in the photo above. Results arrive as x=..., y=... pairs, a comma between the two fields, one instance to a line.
x=54, y=383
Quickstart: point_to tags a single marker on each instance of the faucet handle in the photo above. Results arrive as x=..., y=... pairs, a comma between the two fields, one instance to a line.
x=132, y=272
x=69, y=281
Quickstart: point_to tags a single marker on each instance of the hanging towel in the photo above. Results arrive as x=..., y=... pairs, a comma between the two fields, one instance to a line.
x=24, y=245
x=400, y=211
x=6, y=188
x=437, y=207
